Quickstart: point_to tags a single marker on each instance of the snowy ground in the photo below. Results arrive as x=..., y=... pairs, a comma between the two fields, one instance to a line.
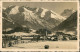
x=41, y=44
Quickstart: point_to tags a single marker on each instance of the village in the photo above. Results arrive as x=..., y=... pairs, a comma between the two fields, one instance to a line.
x=9, y=40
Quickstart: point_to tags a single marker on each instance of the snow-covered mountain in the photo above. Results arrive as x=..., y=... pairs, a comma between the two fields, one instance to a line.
x=3, y=8
x=67, y=12
x=45, y=13
x=34, y=18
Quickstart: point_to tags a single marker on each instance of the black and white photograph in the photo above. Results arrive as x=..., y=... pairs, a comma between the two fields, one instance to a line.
x=40, y=25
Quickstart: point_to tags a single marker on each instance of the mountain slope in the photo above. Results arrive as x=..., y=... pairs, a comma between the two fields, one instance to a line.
x=67, y=12
x=34, y=18
x=70, y=24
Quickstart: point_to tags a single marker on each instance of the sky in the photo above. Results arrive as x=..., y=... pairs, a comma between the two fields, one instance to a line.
x=57, y=7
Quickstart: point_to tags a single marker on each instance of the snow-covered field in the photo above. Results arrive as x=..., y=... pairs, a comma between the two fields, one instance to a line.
x=41, y=44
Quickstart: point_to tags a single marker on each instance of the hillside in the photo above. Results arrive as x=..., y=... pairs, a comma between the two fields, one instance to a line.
x=70, y=24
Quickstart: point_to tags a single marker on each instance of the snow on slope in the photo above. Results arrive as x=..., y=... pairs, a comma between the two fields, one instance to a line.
x=45, y=13
x=28, y=17
x=3, y=8
x=42, y=12
x=56, y=16
x=14, y=10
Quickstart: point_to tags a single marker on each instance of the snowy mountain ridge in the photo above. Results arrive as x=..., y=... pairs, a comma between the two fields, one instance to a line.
x=34, y=18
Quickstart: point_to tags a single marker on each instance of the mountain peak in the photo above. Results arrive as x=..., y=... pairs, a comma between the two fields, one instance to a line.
x=41, y=12
x=14, y=10
x=34, y=18
x=67, y=12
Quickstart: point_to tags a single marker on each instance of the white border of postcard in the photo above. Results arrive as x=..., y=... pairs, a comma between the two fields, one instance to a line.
x=2, y=49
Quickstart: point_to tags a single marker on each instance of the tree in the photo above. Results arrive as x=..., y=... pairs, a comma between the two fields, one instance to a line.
x=26, y=30
x=18, y=29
